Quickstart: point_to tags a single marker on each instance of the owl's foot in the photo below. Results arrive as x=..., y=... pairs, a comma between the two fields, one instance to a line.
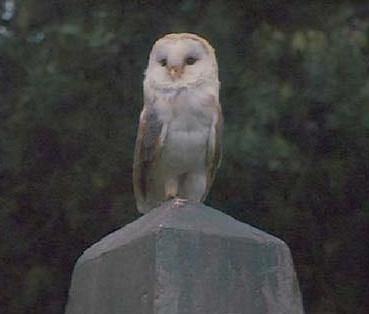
x=179, y=202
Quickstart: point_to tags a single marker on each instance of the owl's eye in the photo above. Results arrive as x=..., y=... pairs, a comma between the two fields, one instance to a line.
x=163, y=62
x=190, y=60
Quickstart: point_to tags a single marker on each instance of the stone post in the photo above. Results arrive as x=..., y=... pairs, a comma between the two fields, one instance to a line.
x=185, y=260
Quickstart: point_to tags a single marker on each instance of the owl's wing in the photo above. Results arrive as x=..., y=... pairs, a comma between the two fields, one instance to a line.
x=150, y=138
x=214, y=149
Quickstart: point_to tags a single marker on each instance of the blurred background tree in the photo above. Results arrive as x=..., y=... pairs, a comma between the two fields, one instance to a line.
x=295, y=93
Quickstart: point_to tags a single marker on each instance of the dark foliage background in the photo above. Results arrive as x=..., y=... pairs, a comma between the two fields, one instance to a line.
x=295, y=93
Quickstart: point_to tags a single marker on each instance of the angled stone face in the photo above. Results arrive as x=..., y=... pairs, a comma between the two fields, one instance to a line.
x=187, y=260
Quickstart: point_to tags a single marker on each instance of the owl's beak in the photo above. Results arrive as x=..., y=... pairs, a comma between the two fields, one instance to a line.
x=175, y=72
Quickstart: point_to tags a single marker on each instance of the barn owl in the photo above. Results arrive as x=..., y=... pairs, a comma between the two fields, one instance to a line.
x=178, y=147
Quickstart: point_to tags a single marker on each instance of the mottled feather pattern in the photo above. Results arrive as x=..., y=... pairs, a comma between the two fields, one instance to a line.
x=146, y=148
x=215, y=146
x=152, y=131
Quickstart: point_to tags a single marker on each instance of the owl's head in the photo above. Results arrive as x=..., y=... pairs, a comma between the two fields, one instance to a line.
x=180, y=60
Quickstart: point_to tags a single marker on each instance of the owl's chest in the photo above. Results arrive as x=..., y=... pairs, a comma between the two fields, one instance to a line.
x=188, y=131
x=186, y=111
x=190, y=118
x=185, y=146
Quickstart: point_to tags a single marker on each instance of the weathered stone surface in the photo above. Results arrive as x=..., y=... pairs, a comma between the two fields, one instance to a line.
x=187, y=260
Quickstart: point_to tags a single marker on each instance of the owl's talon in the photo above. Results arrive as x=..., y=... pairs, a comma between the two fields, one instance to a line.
x=179, y=202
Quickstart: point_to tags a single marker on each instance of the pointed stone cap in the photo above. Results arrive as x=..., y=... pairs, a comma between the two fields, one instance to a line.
x=188, y=259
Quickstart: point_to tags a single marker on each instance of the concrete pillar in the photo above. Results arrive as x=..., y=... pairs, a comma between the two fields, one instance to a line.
x=187, y=260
